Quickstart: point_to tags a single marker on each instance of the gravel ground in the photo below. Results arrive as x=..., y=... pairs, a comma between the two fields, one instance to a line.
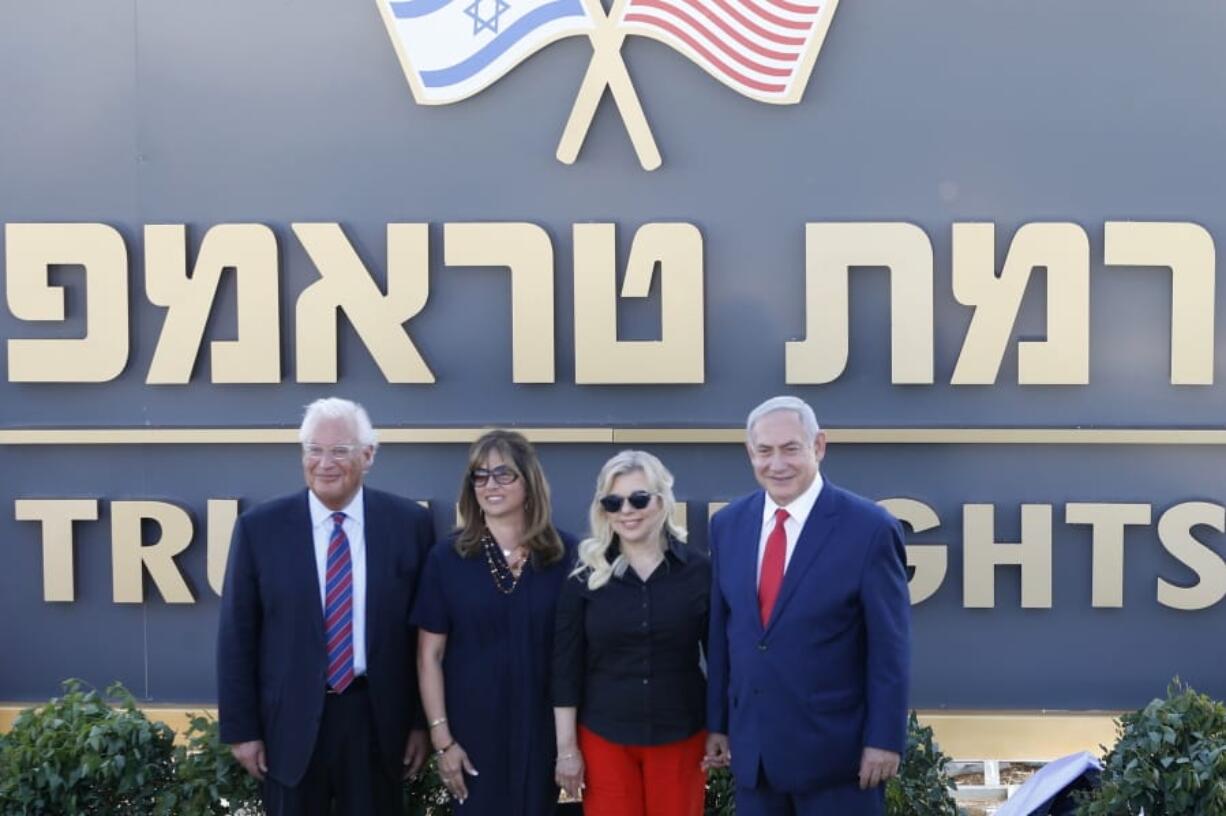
x=972, y=808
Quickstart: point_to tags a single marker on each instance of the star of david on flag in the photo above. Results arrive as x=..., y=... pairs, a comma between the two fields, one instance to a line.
x=483, y=23
x=452, y=49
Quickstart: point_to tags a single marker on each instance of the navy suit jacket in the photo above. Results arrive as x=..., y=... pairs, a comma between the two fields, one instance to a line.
x=829, y=674
x=271, y=656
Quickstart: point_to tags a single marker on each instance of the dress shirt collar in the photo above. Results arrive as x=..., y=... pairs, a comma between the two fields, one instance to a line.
x=674, y=548
x=322, y=515
x=800, y=506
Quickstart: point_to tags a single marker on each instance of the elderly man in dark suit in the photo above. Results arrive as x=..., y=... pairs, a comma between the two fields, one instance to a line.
x=316, y=682
x=809, y=644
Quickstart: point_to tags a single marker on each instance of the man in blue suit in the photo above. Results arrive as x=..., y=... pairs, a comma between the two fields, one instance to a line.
x=316, y=679
x=810, y=627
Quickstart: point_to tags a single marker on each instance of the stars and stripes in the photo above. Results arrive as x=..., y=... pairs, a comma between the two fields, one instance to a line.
x=759, y=48
x=338, y=607
x=763, y=49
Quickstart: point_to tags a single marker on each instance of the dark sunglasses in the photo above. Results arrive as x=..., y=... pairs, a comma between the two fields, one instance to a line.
x=502, y=475
x=639, y=499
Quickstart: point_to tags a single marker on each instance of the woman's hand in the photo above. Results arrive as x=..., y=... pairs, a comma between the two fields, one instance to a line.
x=453, y=764
x=568, y=773
x=717, y=753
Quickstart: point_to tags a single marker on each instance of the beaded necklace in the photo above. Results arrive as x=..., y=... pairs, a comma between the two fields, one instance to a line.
x=506, y=576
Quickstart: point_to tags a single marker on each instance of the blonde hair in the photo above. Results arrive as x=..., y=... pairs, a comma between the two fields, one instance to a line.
x=593, y=564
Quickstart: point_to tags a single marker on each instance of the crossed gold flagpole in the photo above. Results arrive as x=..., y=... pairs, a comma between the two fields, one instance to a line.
x=607, y=69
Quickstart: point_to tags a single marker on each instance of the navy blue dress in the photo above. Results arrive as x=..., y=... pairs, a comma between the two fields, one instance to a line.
x=496, y=675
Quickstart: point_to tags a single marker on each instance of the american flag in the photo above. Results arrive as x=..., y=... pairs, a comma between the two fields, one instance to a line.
x=763, y=49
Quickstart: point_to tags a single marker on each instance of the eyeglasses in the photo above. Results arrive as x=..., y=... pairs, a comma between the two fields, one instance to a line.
x=337, y=453
x=501, y=475
x=639, y=499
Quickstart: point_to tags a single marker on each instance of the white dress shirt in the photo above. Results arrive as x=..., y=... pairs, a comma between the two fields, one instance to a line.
x=321, y=530
x=798, y=514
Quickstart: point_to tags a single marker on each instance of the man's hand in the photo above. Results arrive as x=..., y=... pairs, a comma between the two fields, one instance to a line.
x=415, y=751
x=251, y=756
x=877, y=766
x=717, y=753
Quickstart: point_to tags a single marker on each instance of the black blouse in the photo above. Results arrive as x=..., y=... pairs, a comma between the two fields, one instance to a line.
x=627, y=655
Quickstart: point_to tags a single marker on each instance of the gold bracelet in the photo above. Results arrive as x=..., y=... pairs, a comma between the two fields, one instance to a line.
x=436, y=723
x=440, y=751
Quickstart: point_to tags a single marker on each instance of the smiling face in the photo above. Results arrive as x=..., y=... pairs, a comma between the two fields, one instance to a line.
x=497, y=500
x=634, y=526
x=335, y=477
x=784, y=460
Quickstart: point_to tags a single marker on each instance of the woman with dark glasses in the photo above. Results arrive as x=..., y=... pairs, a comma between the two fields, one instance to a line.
x=485, y=615
x=629, y=696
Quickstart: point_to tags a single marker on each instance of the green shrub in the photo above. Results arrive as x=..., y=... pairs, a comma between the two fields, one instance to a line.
x=80, y=755
x=206, y=775
x=86, y=753
x=922, y=788
x=83, y=753
x=1170, y=759
x=721, y=794
x=425, y=794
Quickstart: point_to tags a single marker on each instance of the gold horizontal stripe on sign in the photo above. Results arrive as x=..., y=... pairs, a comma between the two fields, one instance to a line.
x=263, y=436
x=626, y=436
x=1007, y=735
x=943, y=436
x=1020, y=736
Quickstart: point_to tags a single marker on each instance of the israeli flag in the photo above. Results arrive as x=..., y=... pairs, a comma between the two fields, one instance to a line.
x=451, y=49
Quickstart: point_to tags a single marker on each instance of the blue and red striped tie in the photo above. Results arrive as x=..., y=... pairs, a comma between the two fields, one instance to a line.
x=338, y=608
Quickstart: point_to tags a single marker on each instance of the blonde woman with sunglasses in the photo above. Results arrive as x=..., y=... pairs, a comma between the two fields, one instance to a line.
x=628, y=692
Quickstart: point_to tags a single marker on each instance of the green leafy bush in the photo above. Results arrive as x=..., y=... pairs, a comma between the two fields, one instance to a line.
x=721, y=794
x=85, y=753
x=208, y=781
x=425, y=794
x=1170, y=760
x=922, y=788
x=207, y=775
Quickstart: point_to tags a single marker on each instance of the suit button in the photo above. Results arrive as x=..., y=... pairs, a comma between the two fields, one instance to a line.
x=762, y=646
x=645, y=681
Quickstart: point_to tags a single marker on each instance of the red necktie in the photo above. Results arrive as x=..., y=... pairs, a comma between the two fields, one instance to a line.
x=772, y=566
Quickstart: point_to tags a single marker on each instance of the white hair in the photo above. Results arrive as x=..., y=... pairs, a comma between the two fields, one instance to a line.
x=808, y=420
x=593, y=559
x=342, y=409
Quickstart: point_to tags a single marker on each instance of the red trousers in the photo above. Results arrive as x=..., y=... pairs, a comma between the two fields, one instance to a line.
x=643, y=780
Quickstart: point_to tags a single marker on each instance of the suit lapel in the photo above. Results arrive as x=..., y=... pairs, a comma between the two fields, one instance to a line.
x=303, y=571
x=746, y=566
x=814, y=536
x=376, y=553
